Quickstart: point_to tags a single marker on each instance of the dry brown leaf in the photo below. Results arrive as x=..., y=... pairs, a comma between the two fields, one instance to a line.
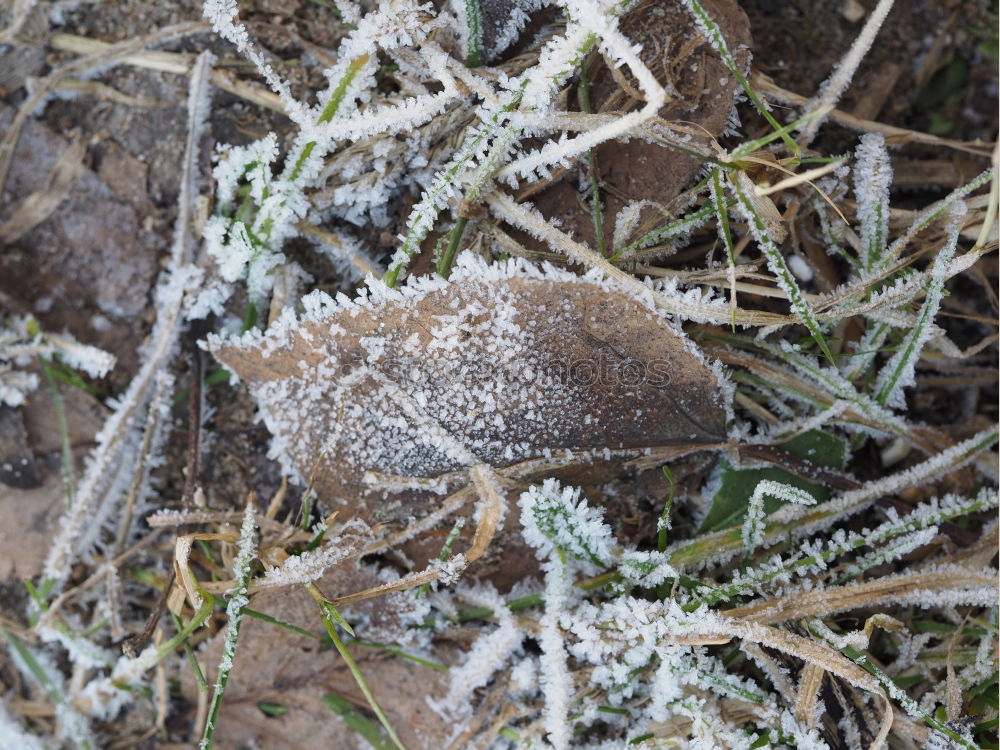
x=702, y=88
x=810, y=682
x=500, y=365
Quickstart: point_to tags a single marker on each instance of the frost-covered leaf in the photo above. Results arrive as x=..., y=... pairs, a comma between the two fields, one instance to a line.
x=502, y=364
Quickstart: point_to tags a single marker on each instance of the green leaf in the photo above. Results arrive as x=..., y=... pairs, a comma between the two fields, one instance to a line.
x=272, y=709
x=730, y=502
x=357, y=721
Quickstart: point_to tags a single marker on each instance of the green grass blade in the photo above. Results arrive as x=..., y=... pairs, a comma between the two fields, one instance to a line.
x=242, y=572
x=714, y=36
x=330, y=620
x=679, y=228
x=897, y=373
x=776, y=262
x=474, y=31
x=596, y=208
x=719, y=205
x=365, y=727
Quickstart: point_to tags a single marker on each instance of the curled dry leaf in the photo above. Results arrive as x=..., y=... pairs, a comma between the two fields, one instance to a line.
x=502, y=364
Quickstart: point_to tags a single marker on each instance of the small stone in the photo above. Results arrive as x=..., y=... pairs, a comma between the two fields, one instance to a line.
x=853, y=11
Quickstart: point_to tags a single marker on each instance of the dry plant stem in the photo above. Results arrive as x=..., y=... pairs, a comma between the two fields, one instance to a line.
x=194, y=429
x=20, y=10
x=892, y=133
x=172, y=62
x=111, y=54
x=161, y=522
x=881, y=591
x=805, y=701
x=989, y=221
x=149, y=432
x=113, y=446
x=487, y=484
x=133, y=644
x=97, y=576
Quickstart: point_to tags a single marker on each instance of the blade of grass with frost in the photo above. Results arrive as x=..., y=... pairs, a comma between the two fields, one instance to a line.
x=104, y=480
x=776, y=262
x=424, y=214
x=663, y=522
x=557, y=517
x=45, y=674
x=718, y=42
x=932, y=214
x=481, y=177
x=831, y=243
x=445, y=553
x=242, y=572
x=531, y=87
x=596, y=208
x=834, y=383
x=719, y=205
x=557, y=682
x=868, y=349
x=872, y=178
x=672, y=231
x=331, y=618
x=818, y=554
x=833, y=87
x=898, y=372
x=888, y=553
x=473, y=33
x=722, y=545
x=752, y=533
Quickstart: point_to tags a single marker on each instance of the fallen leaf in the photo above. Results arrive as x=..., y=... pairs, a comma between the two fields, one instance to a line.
x=502, y=364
